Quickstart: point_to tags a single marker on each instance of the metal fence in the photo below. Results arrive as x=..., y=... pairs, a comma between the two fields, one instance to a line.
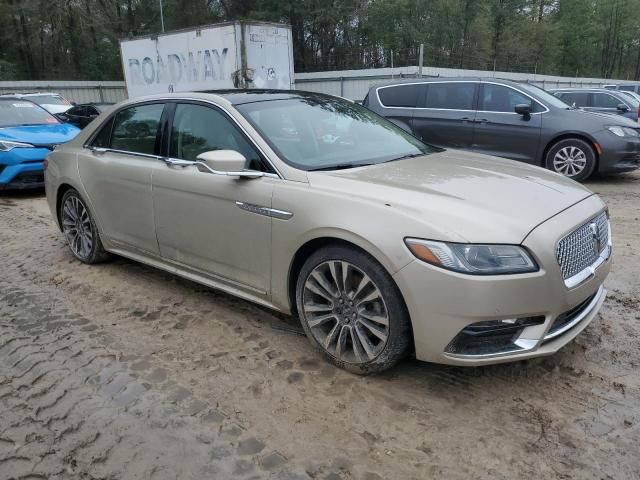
x=79, y=92
x=353, y=84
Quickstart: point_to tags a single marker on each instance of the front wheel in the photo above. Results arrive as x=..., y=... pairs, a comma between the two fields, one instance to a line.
x=573, y=158
x=352, y=311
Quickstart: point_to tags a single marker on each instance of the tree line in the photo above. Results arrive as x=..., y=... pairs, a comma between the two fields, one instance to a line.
x=79, y=39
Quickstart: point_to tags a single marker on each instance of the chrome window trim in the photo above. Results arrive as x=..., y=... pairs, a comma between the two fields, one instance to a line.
x=583, y=313
x=178, y=100
x=479, y=82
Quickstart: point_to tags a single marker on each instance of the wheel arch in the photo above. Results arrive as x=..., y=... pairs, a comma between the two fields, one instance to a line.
x=312, y=245
x=566, y=136
x=62, y=189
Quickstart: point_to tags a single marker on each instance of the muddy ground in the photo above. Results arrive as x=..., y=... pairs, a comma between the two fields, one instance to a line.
x=121, y=371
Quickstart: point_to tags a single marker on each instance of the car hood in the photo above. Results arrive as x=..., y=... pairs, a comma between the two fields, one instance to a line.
x=460, y=196
x=55, y=133
x=604, y=119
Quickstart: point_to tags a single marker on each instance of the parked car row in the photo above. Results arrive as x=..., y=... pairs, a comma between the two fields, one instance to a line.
x=513, y=120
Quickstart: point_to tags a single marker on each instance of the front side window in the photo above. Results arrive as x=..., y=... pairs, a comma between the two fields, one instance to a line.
x=604, y=100
x=451, y=96
x=314, y=132
x=135, y=128
x=498, y=98
x=400, y=95
x=198, y=129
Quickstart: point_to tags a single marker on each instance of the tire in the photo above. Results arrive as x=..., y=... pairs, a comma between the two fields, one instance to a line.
x=82, y=236
x=345, y=320
x=573, y=158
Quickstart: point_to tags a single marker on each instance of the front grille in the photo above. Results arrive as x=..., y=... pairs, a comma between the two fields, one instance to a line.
x=583, y=247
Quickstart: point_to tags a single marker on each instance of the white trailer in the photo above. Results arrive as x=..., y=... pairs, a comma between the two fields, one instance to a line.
x=225, y=55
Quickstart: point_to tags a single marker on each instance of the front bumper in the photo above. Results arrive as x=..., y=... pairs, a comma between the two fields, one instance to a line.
x=442, y=303
x=619, y=155
x=22, y=168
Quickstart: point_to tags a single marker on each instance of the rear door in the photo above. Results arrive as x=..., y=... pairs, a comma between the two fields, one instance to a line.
x=500, y=130
x=116, y=173
x=446, y=114
x=398, y=103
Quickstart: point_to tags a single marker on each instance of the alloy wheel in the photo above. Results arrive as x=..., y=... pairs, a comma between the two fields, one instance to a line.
x=570, y=161
x=77, y=227
x=345, y=311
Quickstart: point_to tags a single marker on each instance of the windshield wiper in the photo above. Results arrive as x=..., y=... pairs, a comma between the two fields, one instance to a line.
x=341, y=166
x=404, y=157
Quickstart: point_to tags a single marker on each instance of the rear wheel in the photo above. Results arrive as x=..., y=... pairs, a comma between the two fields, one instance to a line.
x=352, y=311
x=573, y=158
x=80, y=230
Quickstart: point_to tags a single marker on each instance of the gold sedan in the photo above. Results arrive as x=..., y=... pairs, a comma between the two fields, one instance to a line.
x=315, y=206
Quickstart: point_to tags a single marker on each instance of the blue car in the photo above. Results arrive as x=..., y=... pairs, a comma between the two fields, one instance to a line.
x=28, y=133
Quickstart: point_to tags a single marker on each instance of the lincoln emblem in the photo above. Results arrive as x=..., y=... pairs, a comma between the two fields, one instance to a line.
x=595, y=237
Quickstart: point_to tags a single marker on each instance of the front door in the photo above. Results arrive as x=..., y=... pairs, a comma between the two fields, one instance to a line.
x=502, y=132
x=116, y=172
x=213, y=224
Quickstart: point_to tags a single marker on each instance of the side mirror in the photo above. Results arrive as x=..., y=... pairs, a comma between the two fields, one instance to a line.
x=622, y=108
x=523, y=109
x=225, y=162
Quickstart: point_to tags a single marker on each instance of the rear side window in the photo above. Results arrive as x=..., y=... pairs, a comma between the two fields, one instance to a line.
x=498, y=98
x=453, y=96
x=400, y=96
x=135, y=128
x=579, y=99
x=604, y=100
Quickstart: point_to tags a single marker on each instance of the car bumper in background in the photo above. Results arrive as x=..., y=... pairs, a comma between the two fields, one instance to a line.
x=619, y=155
x=22, y=168
x=449, y=310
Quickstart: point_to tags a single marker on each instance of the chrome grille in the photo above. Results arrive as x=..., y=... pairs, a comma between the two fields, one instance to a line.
x=584, y=246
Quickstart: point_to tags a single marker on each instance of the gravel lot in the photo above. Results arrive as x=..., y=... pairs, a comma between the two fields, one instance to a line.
x=121, y=371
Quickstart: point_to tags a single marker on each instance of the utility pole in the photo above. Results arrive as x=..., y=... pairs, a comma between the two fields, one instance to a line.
x=161, y=17
x=421, y=60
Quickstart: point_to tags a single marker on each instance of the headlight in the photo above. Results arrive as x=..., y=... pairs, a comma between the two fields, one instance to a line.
x=623, y=131
x=473, y=259
x=6, y=145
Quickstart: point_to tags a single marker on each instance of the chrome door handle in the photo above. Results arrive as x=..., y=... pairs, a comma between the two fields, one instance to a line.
x=466, y=119
x=482, y=120
x=172, y=162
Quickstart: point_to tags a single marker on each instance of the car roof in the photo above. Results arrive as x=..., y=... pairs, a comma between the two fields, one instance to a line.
x=584, y=89
x=402, y=81
x=234, y=97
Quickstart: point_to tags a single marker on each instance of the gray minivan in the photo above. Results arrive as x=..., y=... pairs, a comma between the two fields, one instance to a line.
x=510, y=119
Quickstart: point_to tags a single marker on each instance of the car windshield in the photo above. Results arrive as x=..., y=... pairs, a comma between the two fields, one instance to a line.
x=324, y=133
x=544, y=96
x=15, y=112
x=48, y=100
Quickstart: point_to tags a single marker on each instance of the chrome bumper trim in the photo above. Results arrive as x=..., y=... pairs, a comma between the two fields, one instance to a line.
x=585, y=311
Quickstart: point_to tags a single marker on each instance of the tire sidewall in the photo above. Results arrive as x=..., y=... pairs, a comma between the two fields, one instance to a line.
x=399, y=340
x=582, y=145
x=97, y=252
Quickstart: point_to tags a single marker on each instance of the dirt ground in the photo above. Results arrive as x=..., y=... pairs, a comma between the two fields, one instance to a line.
x=121, y=371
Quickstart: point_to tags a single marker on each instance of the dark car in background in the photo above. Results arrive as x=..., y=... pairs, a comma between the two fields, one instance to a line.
x=614, y=102
x=510, y=119
x=82, y=115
